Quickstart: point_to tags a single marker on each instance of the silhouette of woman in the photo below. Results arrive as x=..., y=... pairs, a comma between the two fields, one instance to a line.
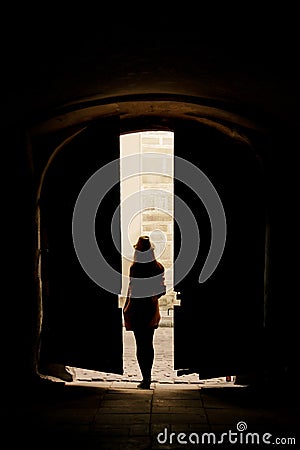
x=141, y=309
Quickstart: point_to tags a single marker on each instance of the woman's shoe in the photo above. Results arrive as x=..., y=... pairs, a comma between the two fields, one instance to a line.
x=144, y=385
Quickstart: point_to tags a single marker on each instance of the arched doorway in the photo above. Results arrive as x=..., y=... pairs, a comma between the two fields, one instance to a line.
x=212, y=313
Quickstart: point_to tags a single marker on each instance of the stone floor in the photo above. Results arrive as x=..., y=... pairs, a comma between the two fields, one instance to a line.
x=100, y=411
x=115, y=415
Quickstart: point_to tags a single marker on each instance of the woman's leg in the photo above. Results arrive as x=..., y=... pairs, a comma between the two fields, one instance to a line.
x=145, y=352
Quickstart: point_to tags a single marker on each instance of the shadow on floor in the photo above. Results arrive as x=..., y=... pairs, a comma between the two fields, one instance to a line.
x=105, y=416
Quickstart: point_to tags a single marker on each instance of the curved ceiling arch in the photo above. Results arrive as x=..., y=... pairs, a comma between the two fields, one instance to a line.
x=141, y=114
x=157, y=108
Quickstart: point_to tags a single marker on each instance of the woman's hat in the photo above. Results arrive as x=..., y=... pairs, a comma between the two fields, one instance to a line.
x=143, y=244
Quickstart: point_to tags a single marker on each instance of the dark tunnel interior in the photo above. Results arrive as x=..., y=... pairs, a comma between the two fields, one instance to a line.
x=233, y=106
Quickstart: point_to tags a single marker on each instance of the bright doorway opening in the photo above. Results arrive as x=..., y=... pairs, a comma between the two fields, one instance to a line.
x=147, y=193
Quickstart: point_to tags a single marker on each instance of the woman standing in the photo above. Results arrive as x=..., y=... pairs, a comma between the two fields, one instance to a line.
x=141, y=309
